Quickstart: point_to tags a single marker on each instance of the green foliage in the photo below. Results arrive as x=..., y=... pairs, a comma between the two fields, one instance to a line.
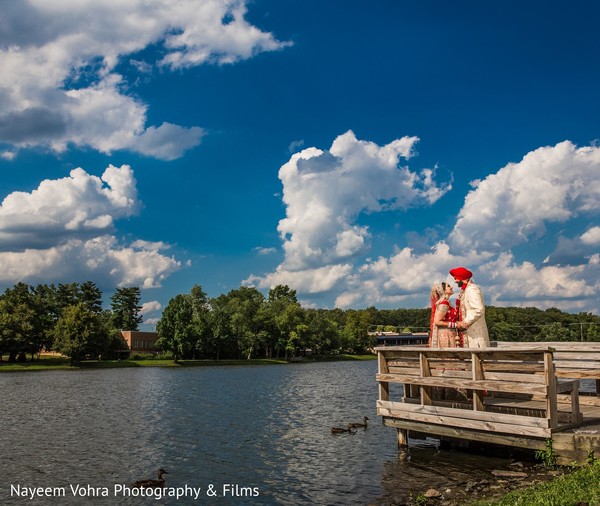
x=29, y=314
x=421, y=500
x=91, y=296
x=22, y=325
x=557, y=332
x=577, y=487
x=175, y=328
x=80, y=334
x=125, y=305
x=287, y=323
x=547, y=455
x=185, y=329
x=245, y=324
x=16, y=327
x=592, y=333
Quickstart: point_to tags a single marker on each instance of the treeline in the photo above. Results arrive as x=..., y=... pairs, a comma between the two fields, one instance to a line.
x=67, y=318
x=505, y=323
x=244, y=323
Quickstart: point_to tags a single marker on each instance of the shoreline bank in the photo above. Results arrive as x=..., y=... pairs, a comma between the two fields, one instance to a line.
x=50, y=363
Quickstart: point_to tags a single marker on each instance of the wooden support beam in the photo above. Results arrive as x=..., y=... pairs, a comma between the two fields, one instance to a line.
x=551, y=401
x=402, y=438
x=425, y=373
x=384, y=387
x=478, y=375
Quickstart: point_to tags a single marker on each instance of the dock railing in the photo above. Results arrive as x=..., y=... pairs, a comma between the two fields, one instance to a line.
x=572, y=360
x=503, y=395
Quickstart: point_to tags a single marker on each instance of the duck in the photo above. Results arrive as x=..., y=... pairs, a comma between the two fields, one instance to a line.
x=340, y=430
x=152, y=483
x=357, y=425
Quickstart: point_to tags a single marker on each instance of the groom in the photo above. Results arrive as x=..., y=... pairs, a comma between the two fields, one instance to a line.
x=471, y=310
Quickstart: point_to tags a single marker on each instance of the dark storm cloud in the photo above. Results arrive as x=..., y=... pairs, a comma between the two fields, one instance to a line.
x=22, y=25
x=31, y=125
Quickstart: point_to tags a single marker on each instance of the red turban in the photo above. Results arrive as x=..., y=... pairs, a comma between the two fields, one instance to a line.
x=461, y=273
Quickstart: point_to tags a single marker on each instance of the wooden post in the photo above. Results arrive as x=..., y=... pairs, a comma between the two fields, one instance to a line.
x=477, y=371
x=384, y=386
x=576, y=416
x=425, y=373
x=402, y=439
x=551, y=401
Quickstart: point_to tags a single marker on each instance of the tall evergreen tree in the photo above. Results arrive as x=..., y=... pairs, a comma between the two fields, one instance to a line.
x=66, y=295
x=91, y=296
x=125, y=305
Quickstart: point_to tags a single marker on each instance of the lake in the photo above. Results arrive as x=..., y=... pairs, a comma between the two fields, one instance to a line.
x=249, y=434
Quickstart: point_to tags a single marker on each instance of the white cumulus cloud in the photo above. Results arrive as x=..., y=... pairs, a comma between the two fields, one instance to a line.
x=522, y=283
x=81, y=205
x=101, y=259
x=150, y=307
x=59, y=83
x=591, y=236
x=326, y=191
x=63, y=230
x=550, y=184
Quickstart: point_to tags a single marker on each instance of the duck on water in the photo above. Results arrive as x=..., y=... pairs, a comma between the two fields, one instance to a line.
x=360, y=425
x=160, y=482
x=340, y=430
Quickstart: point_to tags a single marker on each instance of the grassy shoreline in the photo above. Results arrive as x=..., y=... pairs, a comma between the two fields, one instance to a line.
x=581, y=486
x=51, y=363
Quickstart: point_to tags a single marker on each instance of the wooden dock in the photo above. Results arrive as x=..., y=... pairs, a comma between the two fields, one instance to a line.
x=516, y=394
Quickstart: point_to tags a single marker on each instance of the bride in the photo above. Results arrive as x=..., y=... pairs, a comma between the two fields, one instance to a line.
x=444, y=333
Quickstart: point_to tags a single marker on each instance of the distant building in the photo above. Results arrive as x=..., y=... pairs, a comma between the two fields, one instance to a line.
x=400, y=338
x=140, y=342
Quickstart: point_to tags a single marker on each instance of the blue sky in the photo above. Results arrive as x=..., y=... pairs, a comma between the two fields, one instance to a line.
x=353, y=150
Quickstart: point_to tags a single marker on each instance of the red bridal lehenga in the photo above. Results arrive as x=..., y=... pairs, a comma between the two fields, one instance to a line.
x=443, y=337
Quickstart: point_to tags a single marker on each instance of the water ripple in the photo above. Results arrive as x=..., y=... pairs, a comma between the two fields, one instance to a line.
x=267, y=427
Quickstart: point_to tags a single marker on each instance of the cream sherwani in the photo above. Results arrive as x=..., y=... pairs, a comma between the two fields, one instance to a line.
x=473, y=314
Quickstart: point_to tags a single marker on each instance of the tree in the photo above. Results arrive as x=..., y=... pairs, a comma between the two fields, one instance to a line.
x=66, y=295
x=286, y=315
x=115, y=343
x=243, y=306
x=355, y=332
x=25, y=322
x=125, y=305
x=185, y=326
x=222, y=340
x=47, y=313
x=17, y=322
x=593, y=333
x=80, y=334
x=91, y=296
x=556, y=332
x=325, y=336
x=176, y=327
x=201, y=321
x=504, y=331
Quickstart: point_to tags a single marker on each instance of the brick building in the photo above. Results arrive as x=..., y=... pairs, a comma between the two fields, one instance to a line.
x=140, y=342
